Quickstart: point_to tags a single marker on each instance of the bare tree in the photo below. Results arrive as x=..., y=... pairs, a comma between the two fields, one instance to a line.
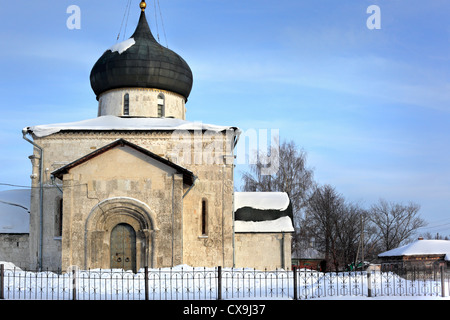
x=437, y=236
x=348, y=229
x=322, y=221
x=292, y=177
x=396, y=223
x=341, y=229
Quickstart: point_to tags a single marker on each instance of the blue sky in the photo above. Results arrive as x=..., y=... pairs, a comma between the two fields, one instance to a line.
x=370, y=107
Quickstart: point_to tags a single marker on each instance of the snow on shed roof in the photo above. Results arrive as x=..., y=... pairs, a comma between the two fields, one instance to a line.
x=283, y=224
x=262, y=212
x=105, y=123
x=261, y=200
x=420, y=247
x=14, y=211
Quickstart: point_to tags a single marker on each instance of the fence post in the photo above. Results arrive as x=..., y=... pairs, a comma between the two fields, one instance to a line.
x=146, y=282
x=369, y=284
x=2, y=281
x=219, y=283
x=74, y=285
x=294, y=269
x=442, y=282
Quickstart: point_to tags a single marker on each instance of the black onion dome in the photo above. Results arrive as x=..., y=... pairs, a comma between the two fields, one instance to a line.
x=146, y=64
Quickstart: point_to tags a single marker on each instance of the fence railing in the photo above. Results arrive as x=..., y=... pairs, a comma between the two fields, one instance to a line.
x=186, y=283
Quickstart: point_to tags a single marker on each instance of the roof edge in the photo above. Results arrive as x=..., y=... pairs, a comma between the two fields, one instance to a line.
x=188, y=176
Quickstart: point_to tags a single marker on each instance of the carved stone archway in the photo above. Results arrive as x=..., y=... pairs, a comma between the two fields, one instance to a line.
x=105, y=216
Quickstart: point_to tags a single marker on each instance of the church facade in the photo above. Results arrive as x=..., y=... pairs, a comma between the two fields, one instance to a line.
x=140, y=185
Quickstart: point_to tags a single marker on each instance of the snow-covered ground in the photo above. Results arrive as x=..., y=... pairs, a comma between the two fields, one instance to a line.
x=187, y=283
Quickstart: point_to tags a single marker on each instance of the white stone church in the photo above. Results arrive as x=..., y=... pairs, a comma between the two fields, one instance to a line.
x=140, y=185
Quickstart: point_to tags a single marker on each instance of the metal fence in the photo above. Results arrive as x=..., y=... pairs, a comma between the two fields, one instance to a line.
x=186, y=283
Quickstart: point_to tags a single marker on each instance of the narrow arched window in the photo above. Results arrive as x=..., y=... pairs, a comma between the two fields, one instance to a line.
x=204, y=217
x=58, y=217
x=161, y=105
x=126, y=104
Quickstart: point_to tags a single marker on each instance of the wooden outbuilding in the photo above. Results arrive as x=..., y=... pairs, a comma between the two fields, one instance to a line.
x=418, y=254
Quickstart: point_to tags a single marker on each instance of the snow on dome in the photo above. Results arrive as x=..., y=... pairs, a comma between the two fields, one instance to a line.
x=420, y=247
x=118, y=123
x=143, y=63
x=14, y=211
x=261, y=200
x=122, y=46
x=283, y=224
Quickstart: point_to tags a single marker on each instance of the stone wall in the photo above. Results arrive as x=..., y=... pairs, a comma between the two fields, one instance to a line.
x=14, y=248
x=84, y=191
x=213, y=248
x=175, y=235
x=251, y=253
x=142, y=102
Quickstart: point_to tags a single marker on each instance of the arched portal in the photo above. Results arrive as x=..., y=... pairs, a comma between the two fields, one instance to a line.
x=115, y=220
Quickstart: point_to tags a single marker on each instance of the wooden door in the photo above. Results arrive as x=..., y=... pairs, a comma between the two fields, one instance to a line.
x=123, y=247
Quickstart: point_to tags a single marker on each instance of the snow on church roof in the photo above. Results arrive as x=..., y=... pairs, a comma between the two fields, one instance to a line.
x=14, y=211
x=421, y=247
x=105, y=123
